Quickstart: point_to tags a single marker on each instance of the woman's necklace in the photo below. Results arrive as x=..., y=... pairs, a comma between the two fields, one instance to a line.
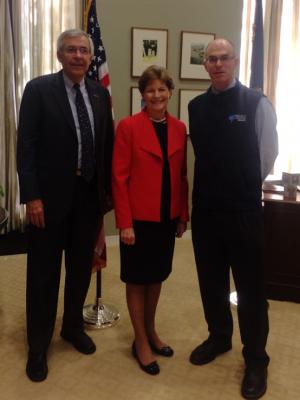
x=158, y=120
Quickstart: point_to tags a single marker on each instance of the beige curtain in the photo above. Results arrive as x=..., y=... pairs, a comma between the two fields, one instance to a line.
x=27, y=49
x=37, y=24
x=272, y=34
x=8, y=177
x=246, y=41
x=281, y=72
x=287, y=89
x=272, y=27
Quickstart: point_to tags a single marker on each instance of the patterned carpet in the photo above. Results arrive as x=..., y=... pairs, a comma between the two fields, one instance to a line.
x=111, y=373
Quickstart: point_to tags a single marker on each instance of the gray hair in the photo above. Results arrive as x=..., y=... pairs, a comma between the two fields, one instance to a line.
x=73, y=33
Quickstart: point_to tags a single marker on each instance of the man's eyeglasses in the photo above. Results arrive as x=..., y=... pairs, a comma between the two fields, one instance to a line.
x=73, y=50
x=223, y=59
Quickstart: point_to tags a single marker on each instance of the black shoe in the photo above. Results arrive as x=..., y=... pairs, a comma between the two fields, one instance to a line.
x=81, y=341
x=254, y=383
x=36, y=367
x=165, y=351
x=208, y=351
x=152, y=368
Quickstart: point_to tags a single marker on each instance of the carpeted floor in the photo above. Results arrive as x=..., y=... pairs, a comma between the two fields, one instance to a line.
x=111, y=373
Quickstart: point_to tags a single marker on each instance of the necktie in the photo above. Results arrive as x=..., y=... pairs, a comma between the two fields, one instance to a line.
x=87, y=145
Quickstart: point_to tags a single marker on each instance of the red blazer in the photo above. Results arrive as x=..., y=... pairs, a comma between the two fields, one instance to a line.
x=137, y=170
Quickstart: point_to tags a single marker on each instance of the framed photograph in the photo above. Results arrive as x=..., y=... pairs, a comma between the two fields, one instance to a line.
x=149, y=46
x=137, y=103
x=193, y=46
x=185, y=96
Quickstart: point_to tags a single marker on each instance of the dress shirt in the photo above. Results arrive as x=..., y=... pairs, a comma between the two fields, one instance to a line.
x=265, y=129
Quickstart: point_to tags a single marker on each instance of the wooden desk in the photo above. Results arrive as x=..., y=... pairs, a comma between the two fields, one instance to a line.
x=282, y=255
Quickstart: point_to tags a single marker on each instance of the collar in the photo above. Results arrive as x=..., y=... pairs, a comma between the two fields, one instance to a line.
x=144, y=112
x=231, y=85
x=69, y=83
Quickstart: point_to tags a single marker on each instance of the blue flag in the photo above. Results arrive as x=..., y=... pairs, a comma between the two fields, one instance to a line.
x=257, y=59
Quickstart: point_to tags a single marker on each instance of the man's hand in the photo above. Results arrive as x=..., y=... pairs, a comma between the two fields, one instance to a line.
x=127, y=236
x=35, y=213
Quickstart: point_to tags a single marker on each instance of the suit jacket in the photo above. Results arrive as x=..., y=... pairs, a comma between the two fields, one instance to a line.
x=47, y=149
x=137, y=170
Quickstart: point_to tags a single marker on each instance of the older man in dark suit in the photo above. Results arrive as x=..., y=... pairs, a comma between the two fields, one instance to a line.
x=65, y=140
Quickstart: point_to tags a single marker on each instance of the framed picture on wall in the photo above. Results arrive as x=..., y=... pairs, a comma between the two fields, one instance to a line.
x=137, y=103
x=185, y=96
x=193, y=46
x=148, y=47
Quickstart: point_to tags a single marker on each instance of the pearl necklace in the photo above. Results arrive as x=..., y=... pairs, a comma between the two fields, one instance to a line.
x=158, y=120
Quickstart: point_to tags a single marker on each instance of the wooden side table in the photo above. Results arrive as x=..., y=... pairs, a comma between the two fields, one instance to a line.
x=282, y=236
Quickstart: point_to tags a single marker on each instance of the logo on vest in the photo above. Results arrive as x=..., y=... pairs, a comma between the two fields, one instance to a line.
x=237, y=117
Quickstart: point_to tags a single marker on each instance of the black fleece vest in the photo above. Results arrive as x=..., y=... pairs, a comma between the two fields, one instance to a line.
x=227, y=174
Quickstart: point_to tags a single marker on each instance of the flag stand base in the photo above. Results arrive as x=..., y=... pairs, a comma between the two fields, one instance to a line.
x=233, y=298
x=99, y=315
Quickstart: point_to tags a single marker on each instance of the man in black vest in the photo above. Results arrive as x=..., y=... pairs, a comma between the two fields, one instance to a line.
x=233, y=132
x=64, y=152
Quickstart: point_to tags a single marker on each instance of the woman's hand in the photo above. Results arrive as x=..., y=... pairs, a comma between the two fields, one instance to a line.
x=127, y=236
x=181, y=228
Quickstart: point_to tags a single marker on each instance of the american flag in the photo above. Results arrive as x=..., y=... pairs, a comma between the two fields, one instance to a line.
x=98, y=71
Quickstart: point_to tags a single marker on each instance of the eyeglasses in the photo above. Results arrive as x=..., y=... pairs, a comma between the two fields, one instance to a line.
x=73, y=50
x=223, y=59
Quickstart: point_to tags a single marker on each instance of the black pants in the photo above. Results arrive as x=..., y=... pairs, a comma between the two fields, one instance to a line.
x=222, y=241
x=76, y=235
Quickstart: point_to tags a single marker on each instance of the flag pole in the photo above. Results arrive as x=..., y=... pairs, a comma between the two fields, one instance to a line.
x=100, y=315
x=97, y=315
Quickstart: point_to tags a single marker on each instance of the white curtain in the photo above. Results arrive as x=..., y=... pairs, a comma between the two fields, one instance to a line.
x=37, y=24
x=281, y=71
x=288, y=87
x=8, y=177
x=27, y=49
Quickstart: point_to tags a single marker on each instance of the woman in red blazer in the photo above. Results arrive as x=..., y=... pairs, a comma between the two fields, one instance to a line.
x=150, y=191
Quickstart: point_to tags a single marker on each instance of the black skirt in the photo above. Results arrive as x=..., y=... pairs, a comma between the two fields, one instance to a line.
x=149, y=260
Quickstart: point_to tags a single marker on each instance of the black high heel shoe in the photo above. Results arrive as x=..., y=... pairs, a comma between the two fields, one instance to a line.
x=152, y=368
x=165, y=351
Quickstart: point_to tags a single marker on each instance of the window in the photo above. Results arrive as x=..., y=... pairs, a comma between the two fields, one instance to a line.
x=281, y=72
